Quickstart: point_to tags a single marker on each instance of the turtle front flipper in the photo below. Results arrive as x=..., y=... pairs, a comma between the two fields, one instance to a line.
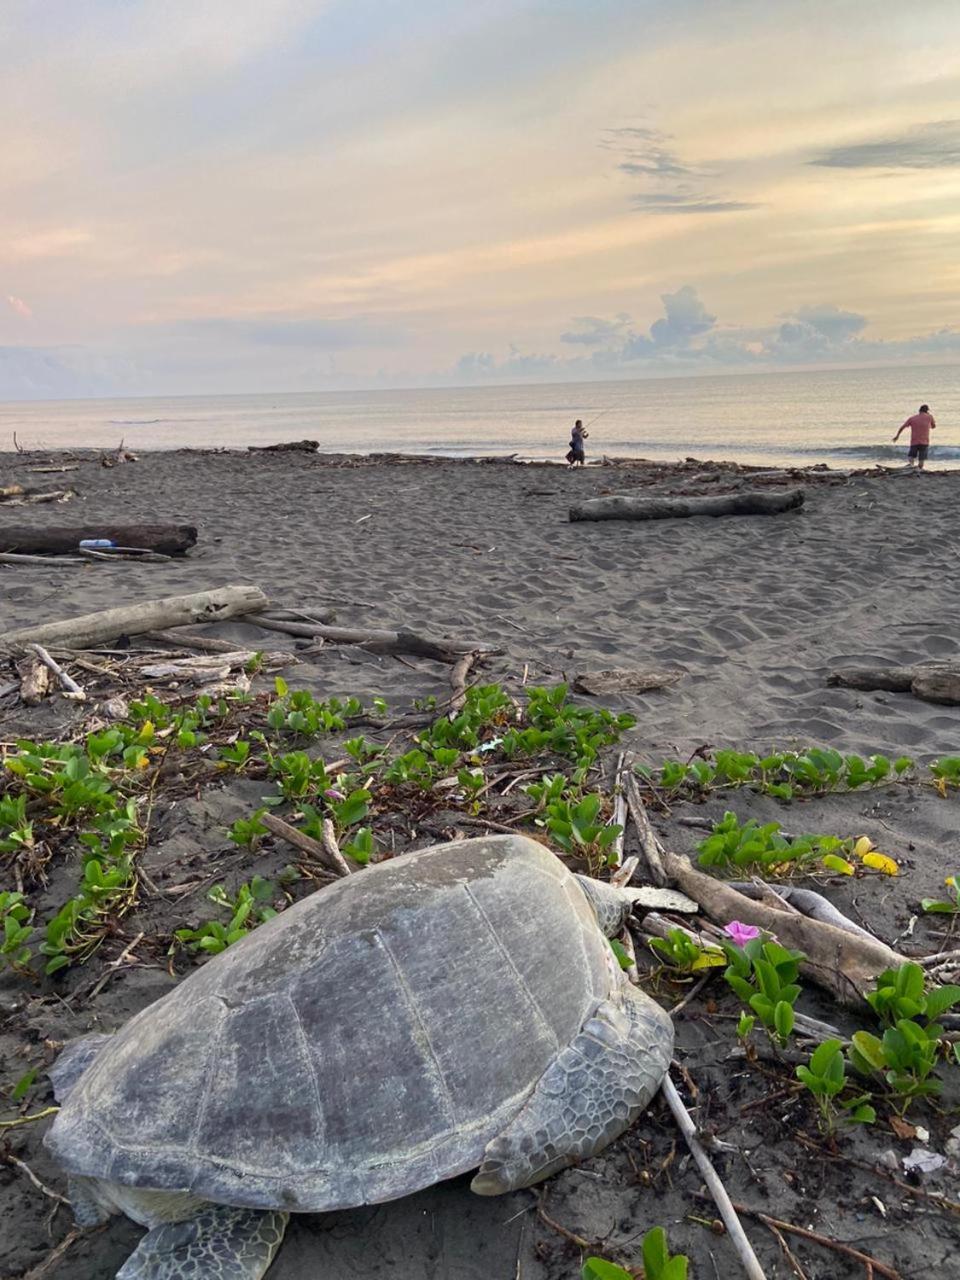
x=216, y=1243
x=594, y=1090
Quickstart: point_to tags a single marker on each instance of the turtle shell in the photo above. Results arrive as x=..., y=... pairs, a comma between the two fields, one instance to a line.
x=365, y=1043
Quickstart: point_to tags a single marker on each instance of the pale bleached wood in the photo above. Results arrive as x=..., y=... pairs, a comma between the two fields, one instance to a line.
x=624, y=506
x=93, y=629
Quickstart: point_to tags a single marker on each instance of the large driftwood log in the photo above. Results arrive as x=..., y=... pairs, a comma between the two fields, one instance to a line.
x=624, y=506
x=842, y=962
x=291, y=446
x=171, y=539
x=931, y=681
x=94, y=629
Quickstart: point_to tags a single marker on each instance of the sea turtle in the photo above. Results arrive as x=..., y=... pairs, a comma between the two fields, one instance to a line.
x=452, y=1008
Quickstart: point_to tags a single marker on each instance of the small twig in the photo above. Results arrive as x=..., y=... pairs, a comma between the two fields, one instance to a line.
x=865, y=1259
x=918, y=1192
x=458, y=682
x=7, y=1158
x=718, y=1192
x=544, y=1217
x=306, y=844
x=70, y=686
x=114, y=966
x=38, y=1115
x=692, y=993
x=619, y=812
x=334, y=856
x=625, y=872
x=626, y=941
x=648, y=841
x=37, y=1272
x=788, y=1253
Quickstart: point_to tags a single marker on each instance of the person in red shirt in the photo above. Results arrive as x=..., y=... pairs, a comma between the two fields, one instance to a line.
x=920, y=424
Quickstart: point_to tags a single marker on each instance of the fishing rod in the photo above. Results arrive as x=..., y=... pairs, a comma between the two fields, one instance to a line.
x=595, y=418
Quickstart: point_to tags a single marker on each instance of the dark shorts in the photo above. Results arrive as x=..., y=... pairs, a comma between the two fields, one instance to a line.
x=918, y=451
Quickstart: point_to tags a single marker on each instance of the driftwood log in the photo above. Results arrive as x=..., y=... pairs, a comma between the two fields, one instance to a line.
x=842, y=962
x=933, y=682
x=170, y=539
x=622, y=680
x=624, y=506
x=291, y=446
x=94, y=629
x=377, y=641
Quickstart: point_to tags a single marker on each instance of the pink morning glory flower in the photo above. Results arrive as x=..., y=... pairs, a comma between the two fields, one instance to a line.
x=332, y=793
x=741, y=933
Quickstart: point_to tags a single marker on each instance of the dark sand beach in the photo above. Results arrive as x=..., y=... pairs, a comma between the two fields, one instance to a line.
x=754, y=612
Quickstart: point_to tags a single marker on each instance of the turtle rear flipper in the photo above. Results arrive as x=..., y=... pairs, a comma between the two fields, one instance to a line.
x=595, y=1088
x=217, y=1243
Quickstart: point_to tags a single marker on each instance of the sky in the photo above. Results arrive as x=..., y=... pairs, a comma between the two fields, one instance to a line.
x=233, y=196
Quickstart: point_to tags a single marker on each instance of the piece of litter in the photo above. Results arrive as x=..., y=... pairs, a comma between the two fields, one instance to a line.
x=881, y=1207
x=361, y=520
x=923, y=1135
x=920, y=1161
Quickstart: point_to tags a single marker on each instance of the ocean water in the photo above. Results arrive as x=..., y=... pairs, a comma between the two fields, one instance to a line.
x=842, y=417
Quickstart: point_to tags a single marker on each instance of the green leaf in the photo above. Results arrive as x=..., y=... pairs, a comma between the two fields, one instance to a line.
x=655, y=1251
x=600, y=1269
x=870, y=1049
x=23, y=1084
x=940, y=999
x=676, y=1268
x=740, y=986
x=863, y=1114
x=783, y=1019
x=822, y=1056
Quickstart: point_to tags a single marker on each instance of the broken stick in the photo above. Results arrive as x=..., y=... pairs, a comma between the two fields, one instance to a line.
x=306, y=844
x=70, y=687
x=652, y=849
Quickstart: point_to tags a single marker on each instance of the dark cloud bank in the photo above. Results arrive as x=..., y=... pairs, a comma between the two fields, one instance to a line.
x=935, y=145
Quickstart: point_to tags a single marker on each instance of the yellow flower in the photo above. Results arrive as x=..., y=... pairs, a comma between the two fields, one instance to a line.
x=951, y=881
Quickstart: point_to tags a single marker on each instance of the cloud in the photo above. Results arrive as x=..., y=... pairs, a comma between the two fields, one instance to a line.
x=668, y=183
x=689, y=339
x=41, y=373
x=935, y=145
x=19, y=306
x=831, y=321
x=646, y=153
x=594, y=331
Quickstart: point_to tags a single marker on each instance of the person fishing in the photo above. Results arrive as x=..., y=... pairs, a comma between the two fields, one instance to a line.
x=576, y=452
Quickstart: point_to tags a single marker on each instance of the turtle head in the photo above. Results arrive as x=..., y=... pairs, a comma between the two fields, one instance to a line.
x=611, y=906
